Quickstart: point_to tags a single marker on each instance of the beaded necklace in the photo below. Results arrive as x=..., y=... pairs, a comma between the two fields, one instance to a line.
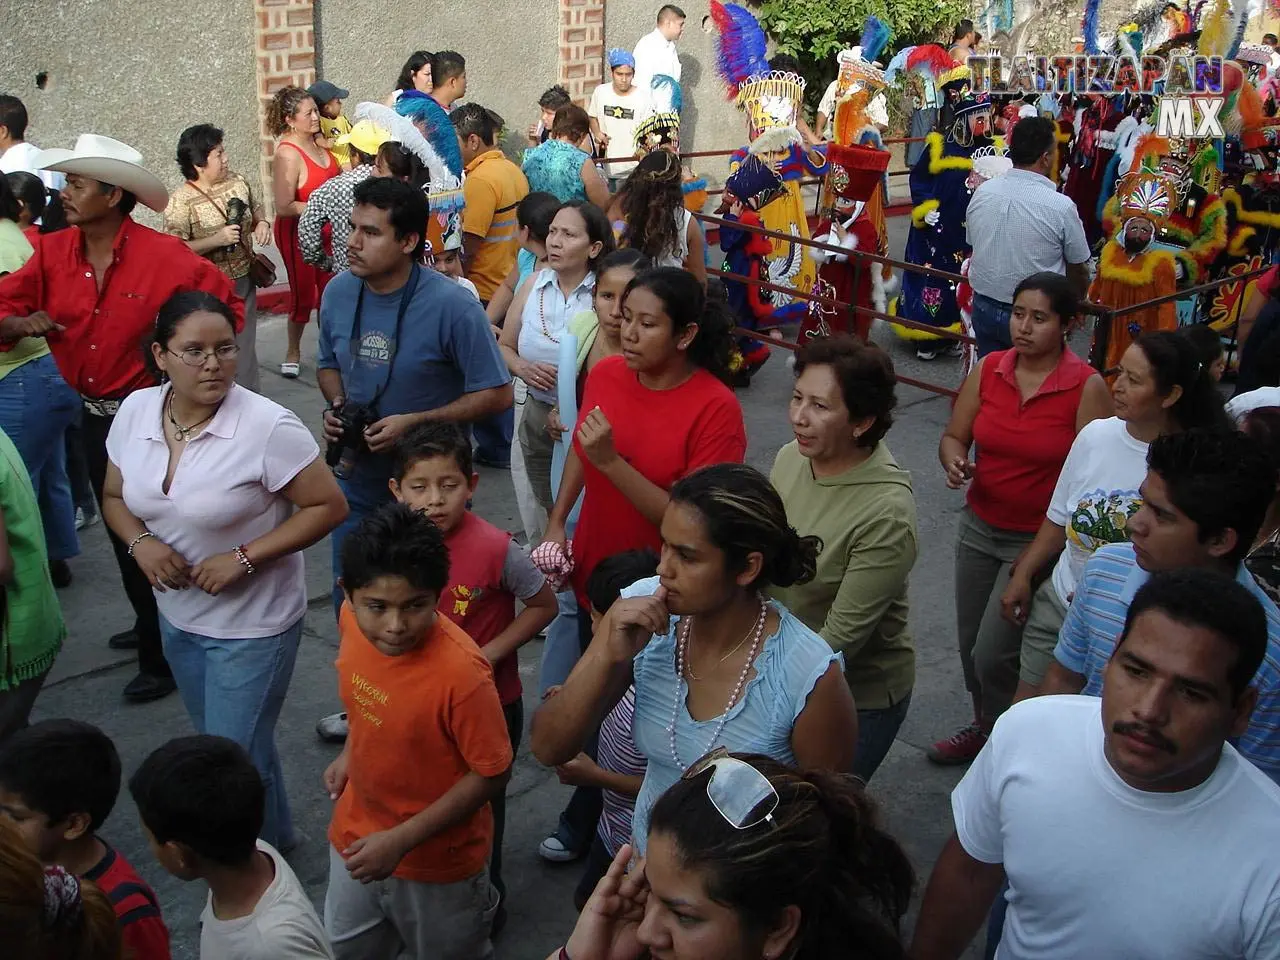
x=682, y=647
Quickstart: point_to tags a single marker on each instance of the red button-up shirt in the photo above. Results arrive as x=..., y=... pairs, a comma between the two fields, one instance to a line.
x=100, y=353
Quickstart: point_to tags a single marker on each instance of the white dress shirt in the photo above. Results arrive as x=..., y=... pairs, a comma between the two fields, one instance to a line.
x=22, y=157
x=656, y=56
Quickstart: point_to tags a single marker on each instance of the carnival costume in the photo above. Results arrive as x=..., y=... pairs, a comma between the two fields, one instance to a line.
x=753, y=185
x=661, y=131
x=771, y=100
x=940, y=194
x=1130, y=271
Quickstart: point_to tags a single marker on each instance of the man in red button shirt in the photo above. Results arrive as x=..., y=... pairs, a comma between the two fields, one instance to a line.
x=94, y=290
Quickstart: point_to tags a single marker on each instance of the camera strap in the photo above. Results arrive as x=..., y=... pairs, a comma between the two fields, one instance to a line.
x=406, y=295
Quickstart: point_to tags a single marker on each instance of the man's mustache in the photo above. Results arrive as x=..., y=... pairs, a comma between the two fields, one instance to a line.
x=1145, y=733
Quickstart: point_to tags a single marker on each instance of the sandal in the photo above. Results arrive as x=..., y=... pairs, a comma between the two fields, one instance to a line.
x=290, y=370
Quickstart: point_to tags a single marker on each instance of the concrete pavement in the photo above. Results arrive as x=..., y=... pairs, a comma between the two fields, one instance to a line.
x=87, y=679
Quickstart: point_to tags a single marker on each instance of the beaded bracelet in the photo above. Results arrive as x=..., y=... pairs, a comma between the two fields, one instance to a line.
x=244, y=559
x=138, y=539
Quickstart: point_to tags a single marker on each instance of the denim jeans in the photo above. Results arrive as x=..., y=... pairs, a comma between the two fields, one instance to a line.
x=36, y=408
x=365, y=492
x=235, y=689
x=561, y=650
x=493, y=437
x=877, y=729
x=995, y=922
x=991, y=324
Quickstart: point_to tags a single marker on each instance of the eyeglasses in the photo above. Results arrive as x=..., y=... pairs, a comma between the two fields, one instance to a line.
x=739, y=792
x=195, y=357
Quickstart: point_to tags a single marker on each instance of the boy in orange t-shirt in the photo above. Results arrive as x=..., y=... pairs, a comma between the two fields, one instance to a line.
x=427, y=751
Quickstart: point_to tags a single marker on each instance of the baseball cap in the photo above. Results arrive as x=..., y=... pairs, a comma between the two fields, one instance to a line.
x=322, y=91
x=366, y=136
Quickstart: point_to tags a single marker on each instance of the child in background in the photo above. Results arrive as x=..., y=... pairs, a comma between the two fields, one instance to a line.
x=449, y=262
x=1208, y=344
x=200, y=801
x=428, y=750
x=618, y=769
x=488, y=573
x=533, y=216
x=58, y=782
x=328, y=97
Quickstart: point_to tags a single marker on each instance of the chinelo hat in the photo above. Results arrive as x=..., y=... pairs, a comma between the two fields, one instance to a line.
x=107, y=161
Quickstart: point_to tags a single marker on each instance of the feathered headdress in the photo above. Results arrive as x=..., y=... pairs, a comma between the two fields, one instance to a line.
x=1148, y=151
x=435, y=125
x=666, y=94
x=1089, y=27
x=1216, y=33
x=742, y=47
x=1151, y=196
x=851, y=117
x=658, y=131
x=445, y=190
x=875, y=37
x=928, y=59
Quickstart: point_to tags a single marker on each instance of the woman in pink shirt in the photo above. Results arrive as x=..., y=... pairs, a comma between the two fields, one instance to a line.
x=217, y=490
x=1011, y=429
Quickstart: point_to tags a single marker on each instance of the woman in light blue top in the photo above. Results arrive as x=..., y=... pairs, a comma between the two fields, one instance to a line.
x=714, y=663
x=562, y=166
x=579, y=236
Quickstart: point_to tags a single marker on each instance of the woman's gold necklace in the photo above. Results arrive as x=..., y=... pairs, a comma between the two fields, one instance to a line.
x=688, y=666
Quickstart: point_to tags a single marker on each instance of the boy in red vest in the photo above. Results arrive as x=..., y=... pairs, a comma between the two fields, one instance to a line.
x=488, y=573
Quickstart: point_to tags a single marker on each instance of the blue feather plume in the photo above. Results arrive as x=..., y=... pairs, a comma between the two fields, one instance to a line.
x=667, y=90
x=875, y=37
x=439, y=128
x=897, y=64
x=1089, y=27
x=742, y=48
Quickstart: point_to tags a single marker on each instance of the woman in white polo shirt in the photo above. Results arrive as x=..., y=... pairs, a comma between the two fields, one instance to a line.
x=217, y=490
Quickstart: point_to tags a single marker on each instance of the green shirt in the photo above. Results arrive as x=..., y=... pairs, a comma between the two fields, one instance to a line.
x=866, y=519
x=33, y=627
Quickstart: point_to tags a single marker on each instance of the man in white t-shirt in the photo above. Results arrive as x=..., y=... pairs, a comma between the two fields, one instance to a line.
x=1127, y=826
x=15, y=153
x=616, y=109
x=656, y=54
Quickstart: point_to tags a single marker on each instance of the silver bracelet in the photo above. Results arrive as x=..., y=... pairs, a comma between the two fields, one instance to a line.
x=138, y=539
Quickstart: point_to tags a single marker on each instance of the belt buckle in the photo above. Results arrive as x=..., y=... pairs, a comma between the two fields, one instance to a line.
x=101, y=408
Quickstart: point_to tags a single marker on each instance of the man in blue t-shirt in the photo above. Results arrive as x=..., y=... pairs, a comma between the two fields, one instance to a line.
x=406, y=343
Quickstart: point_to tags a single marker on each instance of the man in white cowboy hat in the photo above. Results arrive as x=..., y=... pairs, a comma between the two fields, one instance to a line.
x=94, y=290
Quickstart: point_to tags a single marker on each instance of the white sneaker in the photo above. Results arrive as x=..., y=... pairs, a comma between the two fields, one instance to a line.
x=333, y=728
x=553, y=849
x=85, y=520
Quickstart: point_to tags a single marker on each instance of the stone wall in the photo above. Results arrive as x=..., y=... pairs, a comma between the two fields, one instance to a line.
x=139, y=72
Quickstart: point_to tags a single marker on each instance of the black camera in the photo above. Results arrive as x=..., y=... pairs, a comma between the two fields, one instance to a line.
x=341, y=454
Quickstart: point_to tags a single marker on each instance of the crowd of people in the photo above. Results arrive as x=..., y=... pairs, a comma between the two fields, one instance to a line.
x=728, y=656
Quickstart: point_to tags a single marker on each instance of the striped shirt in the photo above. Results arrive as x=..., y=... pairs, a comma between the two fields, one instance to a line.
x=137, y=910
x=493, y=188
x=1095, y=621
x=617, y=753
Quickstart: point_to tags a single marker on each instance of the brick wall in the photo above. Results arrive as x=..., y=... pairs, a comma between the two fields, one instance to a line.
x=581, y=57
x=285, y=56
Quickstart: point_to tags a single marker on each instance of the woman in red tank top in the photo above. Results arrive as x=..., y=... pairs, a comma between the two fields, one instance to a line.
x=296, y=173
x=1020, y=410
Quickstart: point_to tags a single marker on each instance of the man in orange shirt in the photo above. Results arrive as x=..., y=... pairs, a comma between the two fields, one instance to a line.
x=410, y=841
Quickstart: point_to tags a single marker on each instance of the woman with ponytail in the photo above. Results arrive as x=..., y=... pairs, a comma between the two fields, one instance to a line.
x=714, y=662
x=749, y=859
x=49, y=914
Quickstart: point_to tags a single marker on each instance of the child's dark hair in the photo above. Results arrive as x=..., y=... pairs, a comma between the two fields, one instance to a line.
x=176, y=309
x=1206, y=341
x=823, y=850
x=395, y=541
x=10, y=208
x=744, y=514
x=44, y=204
x=686, y=303
x=1175, y=362
x=204, y=793
x=628, y=257
x=428, y=440
x=1062, y=295
x=614, y=574
x=535, y=213
x=553, y=98
x=403, y=163
x=62, y=767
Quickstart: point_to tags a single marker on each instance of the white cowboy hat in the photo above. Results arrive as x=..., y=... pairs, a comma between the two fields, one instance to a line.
x=107, y=161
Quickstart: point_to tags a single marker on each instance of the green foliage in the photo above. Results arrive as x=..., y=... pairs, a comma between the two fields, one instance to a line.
x=814, y=31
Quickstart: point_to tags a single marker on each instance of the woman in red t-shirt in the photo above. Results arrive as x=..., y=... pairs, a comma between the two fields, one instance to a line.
x=650, y=416
x=1020, y=409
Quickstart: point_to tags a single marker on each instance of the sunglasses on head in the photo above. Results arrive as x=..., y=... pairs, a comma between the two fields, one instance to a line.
x=741, y=794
